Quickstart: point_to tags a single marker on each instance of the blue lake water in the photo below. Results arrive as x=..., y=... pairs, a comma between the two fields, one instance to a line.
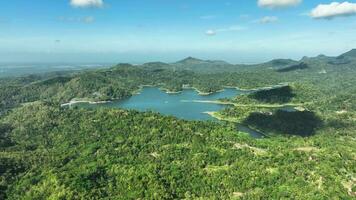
x=180, y=105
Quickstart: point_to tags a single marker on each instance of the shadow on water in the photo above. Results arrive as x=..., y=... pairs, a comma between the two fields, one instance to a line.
x=302, y=123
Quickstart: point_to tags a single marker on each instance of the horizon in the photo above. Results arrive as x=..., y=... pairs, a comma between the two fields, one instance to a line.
x=107, y=31
x=55, y=63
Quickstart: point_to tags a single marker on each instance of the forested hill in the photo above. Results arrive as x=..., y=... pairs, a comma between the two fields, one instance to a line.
x=196, y=65
x=350, y=54
x=217, y=66
x=124, y=79
x=52, y=152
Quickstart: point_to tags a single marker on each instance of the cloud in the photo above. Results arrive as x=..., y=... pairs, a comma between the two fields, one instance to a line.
x=87, y=3
x=212, y=32
x=278, y=3
x=85, y=20
x=268, y=20
x=334, y=9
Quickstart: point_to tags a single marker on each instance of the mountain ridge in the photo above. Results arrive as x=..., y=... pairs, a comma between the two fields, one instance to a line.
x=215, y=66
x=349, y=54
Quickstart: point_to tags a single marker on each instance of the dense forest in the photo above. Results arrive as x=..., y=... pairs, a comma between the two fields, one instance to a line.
x=307, y=108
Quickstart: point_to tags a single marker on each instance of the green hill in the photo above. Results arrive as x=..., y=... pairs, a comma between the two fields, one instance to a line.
x=52, y=152
x=349, y=54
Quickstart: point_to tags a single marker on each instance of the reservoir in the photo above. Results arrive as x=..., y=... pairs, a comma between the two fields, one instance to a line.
x=188, y=104
x=183, y=105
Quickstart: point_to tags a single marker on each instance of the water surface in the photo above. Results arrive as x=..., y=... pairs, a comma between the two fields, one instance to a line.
x=186, y=105
x=180, y=105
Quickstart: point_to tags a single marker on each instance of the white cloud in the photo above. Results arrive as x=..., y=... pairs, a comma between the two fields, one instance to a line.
x=213, y=32
x=87, y=3
x=278, y=3
x=332, y=10
x=268, y=19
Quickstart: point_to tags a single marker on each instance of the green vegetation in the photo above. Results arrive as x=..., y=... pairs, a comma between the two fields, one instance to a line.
x=49, y=152
x=301, y=123
x=299, y=66
x=117, y=154
x=275, y=95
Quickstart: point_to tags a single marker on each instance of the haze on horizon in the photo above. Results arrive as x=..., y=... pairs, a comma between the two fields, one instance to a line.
x=238, y=31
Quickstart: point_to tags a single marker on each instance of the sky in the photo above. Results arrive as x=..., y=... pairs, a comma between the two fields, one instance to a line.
x=137, y=31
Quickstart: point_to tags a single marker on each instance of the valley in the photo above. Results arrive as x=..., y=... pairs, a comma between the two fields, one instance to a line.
x=120, y=140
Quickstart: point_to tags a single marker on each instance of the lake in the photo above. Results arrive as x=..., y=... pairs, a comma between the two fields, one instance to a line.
x=182, y=105
x=188, y=104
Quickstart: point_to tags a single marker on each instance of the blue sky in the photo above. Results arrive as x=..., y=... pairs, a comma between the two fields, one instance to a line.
x=136, y=31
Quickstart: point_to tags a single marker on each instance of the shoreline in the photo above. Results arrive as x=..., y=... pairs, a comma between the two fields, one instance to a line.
x=216, y=115
x=225, y=87
x=167, y=91
x=213, y=102
x=295, y=106
x=264, y=88
x=73, y=102
x=241, y=128
x=201, y=93
x=138, y=91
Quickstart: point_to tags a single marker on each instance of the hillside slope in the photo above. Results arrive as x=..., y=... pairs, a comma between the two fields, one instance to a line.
x=50, y=152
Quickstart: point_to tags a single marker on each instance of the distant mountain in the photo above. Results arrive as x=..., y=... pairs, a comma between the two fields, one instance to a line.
x=349, y=54
x=315, y=64
x=299, y=66
x=156, y=65
x=278, y=63
x=204, y=66
x=195, y=61
x=191, y=60
x=281, y=62
x=343, y=59
x=340, y=60
x=193, y=64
